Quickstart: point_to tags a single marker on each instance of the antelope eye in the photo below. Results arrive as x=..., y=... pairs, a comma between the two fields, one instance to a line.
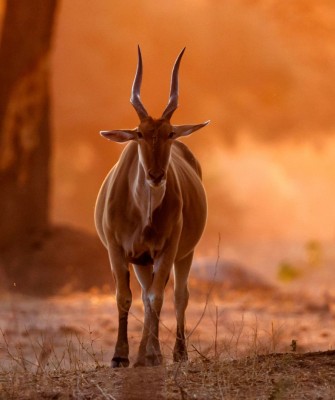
x=171, y=135
x=139, y=135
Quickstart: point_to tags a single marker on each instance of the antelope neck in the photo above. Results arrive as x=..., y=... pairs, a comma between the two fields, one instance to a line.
x=147, y=198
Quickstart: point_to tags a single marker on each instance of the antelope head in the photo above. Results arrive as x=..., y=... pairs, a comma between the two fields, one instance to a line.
x=154, y=136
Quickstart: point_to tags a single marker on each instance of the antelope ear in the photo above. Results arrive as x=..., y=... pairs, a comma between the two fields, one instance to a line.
x=185, y=130
x=120, y=135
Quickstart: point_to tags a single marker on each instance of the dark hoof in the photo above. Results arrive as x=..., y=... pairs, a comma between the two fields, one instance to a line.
x=180, y=356
x=119, y=362
x=139, y=363
x=154, y=360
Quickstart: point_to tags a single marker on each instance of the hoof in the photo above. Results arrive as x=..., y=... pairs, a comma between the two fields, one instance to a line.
x=153, y=360
x=180, y=356
x=119, y=362
x=139, y=363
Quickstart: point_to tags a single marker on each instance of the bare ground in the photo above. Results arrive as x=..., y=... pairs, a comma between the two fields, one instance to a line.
x=247, y=345
x=273, y=376
x=246, y=339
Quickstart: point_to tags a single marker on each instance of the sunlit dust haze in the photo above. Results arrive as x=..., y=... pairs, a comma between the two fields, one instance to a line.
x=262, y=71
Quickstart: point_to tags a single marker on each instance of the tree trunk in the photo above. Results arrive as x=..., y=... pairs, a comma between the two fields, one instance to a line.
x=24, y=121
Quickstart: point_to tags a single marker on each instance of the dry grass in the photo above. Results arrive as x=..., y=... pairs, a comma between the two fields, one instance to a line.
x=80, y=374
x=273, y=376
x=242, y=363
x=244, y=350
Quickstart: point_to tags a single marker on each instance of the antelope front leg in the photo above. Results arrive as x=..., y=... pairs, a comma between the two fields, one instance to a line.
x=181, y=272
x=144, y=276
x=123, y=298
x=155, y=298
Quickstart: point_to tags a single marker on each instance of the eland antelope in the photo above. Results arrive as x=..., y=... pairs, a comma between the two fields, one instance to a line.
x=151, y=211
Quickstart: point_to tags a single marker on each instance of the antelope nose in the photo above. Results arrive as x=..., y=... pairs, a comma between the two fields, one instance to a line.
x=156, y=176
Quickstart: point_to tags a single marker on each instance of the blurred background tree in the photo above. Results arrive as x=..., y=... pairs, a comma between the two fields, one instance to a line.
x=35, y=256
x=25, y=120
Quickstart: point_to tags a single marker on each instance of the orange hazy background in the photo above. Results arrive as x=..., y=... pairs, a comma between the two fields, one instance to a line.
x=263, y=71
